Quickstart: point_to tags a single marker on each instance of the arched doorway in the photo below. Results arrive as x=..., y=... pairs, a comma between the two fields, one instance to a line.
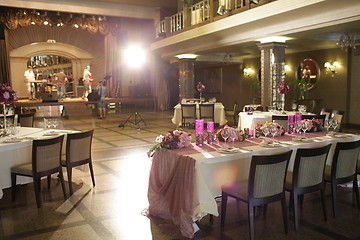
x=20, y=56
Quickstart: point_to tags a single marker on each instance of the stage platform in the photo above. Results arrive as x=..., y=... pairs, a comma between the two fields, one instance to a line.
x=74, y=107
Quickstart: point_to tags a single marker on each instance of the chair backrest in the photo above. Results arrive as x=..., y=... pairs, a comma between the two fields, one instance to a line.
x=267, y=175
x=234, y=107
x=78, y=146
x=309, y=166
x=188, y=110
x=345, y=159
x=46, y=155
x=319, y=117
x=207, y=111
x=338, y=115
x=26, y=119
x=281, y=119
x=327, y=112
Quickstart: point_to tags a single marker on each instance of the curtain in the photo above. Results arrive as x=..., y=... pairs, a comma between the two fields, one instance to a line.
x=4, y=56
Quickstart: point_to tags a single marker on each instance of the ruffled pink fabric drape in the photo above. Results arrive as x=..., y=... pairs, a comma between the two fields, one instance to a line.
x=171, y=192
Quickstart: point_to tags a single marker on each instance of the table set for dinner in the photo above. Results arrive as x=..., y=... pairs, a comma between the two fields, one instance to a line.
x=184, y=182
x=16, y=149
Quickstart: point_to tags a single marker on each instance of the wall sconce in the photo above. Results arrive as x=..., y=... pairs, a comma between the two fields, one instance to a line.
x=287, y=68
x=332, y=66
x=248, y=72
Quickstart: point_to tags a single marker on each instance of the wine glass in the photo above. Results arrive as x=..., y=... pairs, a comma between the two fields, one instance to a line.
x=304, y=127
x=265, y=131
x=327, y=124
x=335, y=124
x=297, y=127
x=294, y=106
x=225, y=134
x=233, y=135
x=273, y=131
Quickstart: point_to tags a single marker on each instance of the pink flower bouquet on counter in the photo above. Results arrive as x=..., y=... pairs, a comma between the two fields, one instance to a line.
x=172, y=140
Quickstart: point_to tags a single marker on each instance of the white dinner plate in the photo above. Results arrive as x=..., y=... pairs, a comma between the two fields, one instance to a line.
x=228, y=150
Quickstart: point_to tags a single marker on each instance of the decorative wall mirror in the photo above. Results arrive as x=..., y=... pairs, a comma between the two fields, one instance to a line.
x=309, y=71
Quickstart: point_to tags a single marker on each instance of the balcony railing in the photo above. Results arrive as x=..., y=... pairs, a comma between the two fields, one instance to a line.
x=203, y=11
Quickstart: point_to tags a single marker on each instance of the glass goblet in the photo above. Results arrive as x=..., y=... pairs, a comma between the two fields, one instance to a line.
x=266, y=131
x=225, y=134
x=335, y=124
x=273, y=131
x=233, y=135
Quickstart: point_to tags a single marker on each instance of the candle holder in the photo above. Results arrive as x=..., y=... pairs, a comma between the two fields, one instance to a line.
x=199, y=130
x=291, y=122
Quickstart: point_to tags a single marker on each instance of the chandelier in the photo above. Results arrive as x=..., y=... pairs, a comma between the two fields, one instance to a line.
x=348, y=40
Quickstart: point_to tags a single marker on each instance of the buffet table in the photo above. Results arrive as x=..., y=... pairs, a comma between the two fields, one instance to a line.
x=184, y=182
x=219, y=114
x=247, y=120
x=16, y=150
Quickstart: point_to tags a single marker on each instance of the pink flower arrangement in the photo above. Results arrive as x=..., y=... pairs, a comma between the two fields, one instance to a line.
x=200, y=87
x=280, y=129
x=241, y=136
x=314, y=125
x=283, y=88
x=172, y=140
x=7, y=95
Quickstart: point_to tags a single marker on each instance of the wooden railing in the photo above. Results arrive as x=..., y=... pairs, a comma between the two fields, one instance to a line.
x=204, y=11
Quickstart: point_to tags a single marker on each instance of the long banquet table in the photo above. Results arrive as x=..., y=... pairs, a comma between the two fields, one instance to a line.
x=184, y=182
x=219, y=114
x=247, y=120
x=19, y=152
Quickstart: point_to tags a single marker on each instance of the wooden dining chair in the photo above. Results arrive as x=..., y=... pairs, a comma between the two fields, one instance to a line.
x=266, y=184
x=78, y=152
x=26, y=119
x=46, y=160
x=307, y=177
x=188, y=113
x=343, y=169
x=232, y=113
x=327, y=112
x=207, y=112
x=339, y=116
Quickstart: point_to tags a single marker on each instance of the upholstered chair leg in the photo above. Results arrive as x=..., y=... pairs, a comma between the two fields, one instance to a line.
x=62, y=183
x=284, y=212
x=356, y=190
x=49, y=181
x=295, y=206
x=37, y=191
x=333, y=193
x=265, y=210
x=13, y=186
x=323, y=203
x=224, y=198
x=92, y=173
x=69, y=173
x=251, y=221
x=301, y=198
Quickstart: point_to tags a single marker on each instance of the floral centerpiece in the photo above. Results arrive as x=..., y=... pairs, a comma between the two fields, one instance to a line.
x=314, y=125
x=172, y=140
x=201, y=88
x=7, y=97
x=240, y=134
x=268, y=125
x=283, y=88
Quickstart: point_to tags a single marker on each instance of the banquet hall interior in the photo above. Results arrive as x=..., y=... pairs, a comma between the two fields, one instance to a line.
x=154, y=55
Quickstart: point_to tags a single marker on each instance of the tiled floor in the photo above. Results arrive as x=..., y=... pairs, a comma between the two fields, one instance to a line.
x=113, y=209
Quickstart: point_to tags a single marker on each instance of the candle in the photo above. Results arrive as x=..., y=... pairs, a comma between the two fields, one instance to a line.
x=291, y=119
x=210, y=126
x=298, y=117
x=199, y=126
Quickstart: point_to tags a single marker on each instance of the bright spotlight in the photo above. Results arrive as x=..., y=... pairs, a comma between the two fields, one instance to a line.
x=134, y=56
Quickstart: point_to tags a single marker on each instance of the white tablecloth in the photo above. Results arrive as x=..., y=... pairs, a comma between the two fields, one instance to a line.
x=250, y=120
x=219, y=114
x=17, y=153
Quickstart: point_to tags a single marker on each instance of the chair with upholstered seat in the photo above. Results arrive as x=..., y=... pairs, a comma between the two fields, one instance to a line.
x=207, y=112
x=46, y=160
x=232, y=113
x=188, y=113
x=78, y=152
x=307, y=176
x=327, y=112
x=265, y=185
x=338, y=116
x=26, y=119
x=343, y=169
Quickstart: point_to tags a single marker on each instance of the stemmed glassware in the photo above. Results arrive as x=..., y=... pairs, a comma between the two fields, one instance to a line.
x=335, y=124
x=265, y=131
x=294, y=106
x=327, y=124
x=297, y=127
x=304, y=127
x=225, y=134
x=233, y=135
x=273, y=131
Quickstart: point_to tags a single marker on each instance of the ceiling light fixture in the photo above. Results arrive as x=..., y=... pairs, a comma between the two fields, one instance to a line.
x=348, y=40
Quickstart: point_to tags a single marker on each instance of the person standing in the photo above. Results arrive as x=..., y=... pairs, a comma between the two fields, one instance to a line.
x=60, y=80
x=101, y=103
x=29, y=80
x=87, y=78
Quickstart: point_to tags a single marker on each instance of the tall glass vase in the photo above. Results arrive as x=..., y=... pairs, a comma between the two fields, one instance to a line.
x=4, y=114
x=282, y=102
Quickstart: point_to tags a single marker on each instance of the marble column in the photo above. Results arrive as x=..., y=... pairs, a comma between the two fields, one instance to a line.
x=186, y=78
x=272, y=71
